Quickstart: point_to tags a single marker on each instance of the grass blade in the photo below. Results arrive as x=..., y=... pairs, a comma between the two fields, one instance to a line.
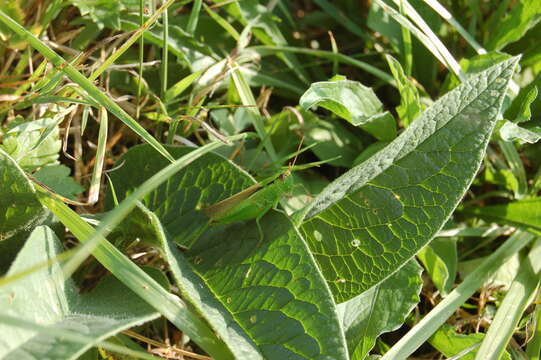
x=132, y=39
x=94, y=190
x=533, y=351
x=430, y=40
x=74, y=337
x=431, y=322
x=247, y=99
x=194, y=17
x=517, y=299
x=223, y=23
x=124, y=208
x=271, y=49
x=84, y=83
x=165, y=52
x=169, y=305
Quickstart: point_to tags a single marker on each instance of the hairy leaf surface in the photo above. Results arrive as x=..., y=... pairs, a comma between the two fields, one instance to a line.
x=374, y=218
x=46, y=298
x=19, y=208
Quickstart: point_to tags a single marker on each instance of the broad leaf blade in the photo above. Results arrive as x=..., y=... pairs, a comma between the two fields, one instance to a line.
x=272, y=288
x=46, y=298
x=373, y=219
x=353, y=102
x=19, y=208
x=206, y=181
x=243, y=286
x=191, y=287
x=381, y=309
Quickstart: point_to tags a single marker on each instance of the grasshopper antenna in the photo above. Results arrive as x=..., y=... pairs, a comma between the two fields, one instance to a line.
x=292, y=163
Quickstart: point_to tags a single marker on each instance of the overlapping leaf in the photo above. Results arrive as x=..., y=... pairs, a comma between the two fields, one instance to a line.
x=264, y=297
x=206, y=181
x=46, y=298
x=19, y=208
x=370, y=221
x=381, y=309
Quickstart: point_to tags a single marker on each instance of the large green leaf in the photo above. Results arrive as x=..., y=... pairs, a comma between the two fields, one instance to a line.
x=272, y=287
x=283, y=289
x=206, y=181
x=19, y=208
x=381, y=309
x=265, y=298
x=370, y=221
x=47, y=299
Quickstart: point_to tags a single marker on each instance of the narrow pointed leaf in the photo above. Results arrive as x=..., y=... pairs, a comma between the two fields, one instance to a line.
x=373, y=219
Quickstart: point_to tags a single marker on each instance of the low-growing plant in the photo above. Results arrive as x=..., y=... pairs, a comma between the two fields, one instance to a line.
x=307, y=222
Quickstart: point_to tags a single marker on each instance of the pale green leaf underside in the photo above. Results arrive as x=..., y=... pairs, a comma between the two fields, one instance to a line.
x=373, y=219
x=19, y=208
x=45, y=298
x=348, y=99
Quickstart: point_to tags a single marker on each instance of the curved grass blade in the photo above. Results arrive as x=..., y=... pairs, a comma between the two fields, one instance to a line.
x=264, y=50
x=517, y=299
x=124, y=208
x=170, y=306
x=437, y=316
x=83, y=82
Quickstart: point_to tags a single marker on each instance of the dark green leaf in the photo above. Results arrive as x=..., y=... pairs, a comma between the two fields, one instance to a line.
x=373, y=219
x=381, y=309
x=206, y=181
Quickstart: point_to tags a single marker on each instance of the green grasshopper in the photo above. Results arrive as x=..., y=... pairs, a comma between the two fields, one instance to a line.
x=255, y=201
x=251, y=203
